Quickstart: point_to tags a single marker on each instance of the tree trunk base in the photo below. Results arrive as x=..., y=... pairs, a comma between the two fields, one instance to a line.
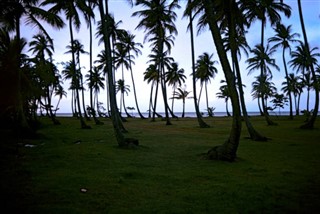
x=220, y=153
x=129, y=143
x=307, y=125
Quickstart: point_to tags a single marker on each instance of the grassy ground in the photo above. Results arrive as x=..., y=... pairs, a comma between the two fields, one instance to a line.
x=71, y=170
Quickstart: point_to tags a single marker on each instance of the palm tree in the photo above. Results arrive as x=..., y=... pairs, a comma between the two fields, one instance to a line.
x=90, y=19
x=293, y=85
x=283, y=38
x=263, y=10
x=175, y=77
x=76, y=48
x=311, y=121
x=224, y=94
x=42, y=47
x=115, y=118
x=205, y=70
x=13, y=12
x=123, y=89
x=60, y=92
x=151, y=75
x=188, y=13
x=263, y=88
x=70, y=9
x=262, y=60
x=131, y=46
x=210, y=14
x=181, y=94
x=95, y=81
x=303, y=59
x=158, y=21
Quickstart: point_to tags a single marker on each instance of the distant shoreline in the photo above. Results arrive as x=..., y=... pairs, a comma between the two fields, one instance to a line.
x=190, y=114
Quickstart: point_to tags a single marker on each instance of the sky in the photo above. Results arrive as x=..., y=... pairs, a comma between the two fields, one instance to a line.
x=181, y=52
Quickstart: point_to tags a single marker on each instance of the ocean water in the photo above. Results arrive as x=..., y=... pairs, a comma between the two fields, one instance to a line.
x=187, y=114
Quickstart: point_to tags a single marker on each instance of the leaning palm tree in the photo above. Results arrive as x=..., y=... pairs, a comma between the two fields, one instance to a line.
x=263, y=88
x=158, y=21
x=205, y=71
x=263, y=10
x=13, y=14
x=224, y=94
x=181, y=94
x=77, y=48
x=188, y=13
x=303, y=60
x=175, y=77
x=42, y=48
x=131, y=46
x=311, y=121
x=115, y=117
x=95, y=81
x=151, y=75
x=210, y=15
x=60, y=92
x=262, y=59
x=70, y=9
x=283, y=38
x=293, y=85
x=123, y=89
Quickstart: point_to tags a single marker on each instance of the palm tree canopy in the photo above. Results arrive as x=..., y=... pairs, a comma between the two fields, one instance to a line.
x=262, y=59
x=302, y=58
x=174, y=75
x=205, y=69
x=283, y=37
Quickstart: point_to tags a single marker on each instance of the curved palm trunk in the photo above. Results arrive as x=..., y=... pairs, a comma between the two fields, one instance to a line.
x=82, y=123
x=254, y=135
x=23, y=124
x=155, y=102
x=207, y=101
x=200, y=93
x=201, y=123
x=287, y=79
x=94, y=111
x=183, y=107
x=310, y=123
x=134, y=92
x=117, y=124
x=228, y=150
x=227, y=110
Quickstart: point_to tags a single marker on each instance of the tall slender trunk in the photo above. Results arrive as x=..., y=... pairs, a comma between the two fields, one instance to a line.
x=23, y=125
x=254, y=135
x=134, y=91
x=287, y=79
x=310, y=123
x=82, y=122
x=117, y=124
x=94, y=112
x=228, y=150
x=201, y=123
x=155, y=101
x=207, y=101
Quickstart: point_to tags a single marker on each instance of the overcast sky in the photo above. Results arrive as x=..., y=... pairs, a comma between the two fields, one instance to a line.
x=181, y=52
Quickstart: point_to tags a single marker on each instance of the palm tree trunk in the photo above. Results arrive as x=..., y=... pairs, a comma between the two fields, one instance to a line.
x=310, y=123
x=201, y=123
x=117, y=124
x=228, y=150
x=82, y=123
x=201, y=87
x=287, y=79
x=134, y=92
x=206, y=89
x=254, y=135
x=155, y=101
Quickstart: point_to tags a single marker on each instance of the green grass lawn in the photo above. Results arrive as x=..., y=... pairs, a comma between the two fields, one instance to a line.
x=166, y=174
